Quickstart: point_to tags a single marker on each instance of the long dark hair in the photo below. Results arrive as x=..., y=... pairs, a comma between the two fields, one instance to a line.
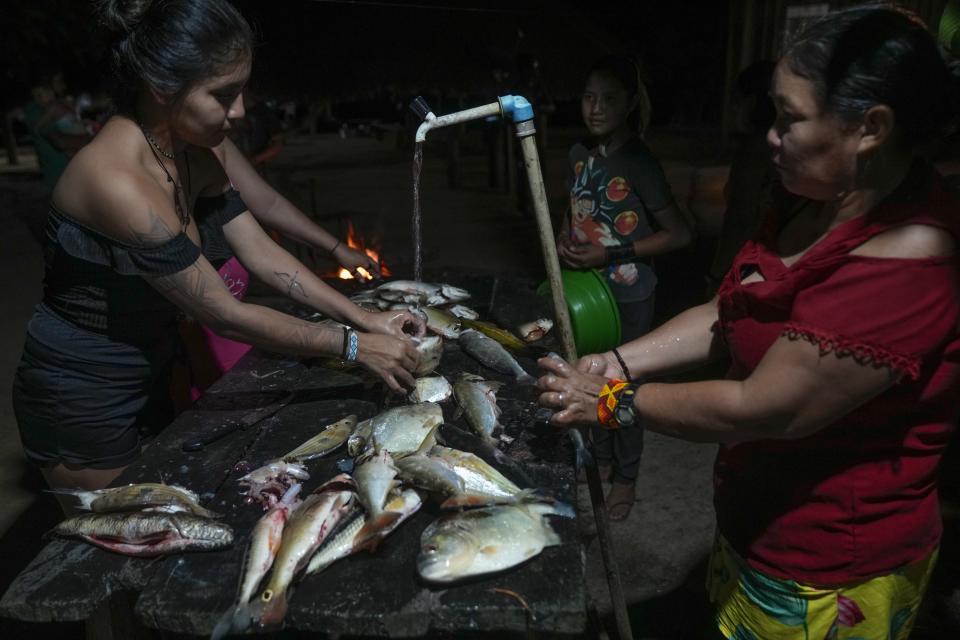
x=627, y=73
x=170, y=45
x=876, y=54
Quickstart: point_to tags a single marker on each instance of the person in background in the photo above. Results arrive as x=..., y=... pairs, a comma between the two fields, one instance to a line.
x=622, y=214
x=841, y=318
x=57, y=134
x=136, y=222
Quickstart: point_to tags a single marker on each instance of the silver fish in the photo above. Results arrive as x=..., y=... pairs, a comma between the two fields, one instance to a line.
x=482, y=541
x=454, y=294
x=431, y=389
x=305, y=531
x=374, y=476
x=478, y=398
x=146, y=534
x=442, y=323
x=406, y=429
x=429, y=351
x=491, y=353
x=357, y=441
x=430, y=473
x=168, y=498
x=327, y=441
x=482, y=484
x=461, y=311
x=350, y=538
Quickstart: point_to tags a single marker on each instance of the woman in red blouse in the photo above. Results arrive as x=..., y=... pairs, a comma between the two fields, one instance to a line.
x=841, y=323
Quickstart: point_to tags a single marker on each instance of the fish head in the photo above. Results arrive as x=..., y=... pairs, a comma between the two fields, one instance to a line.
x=449, y=552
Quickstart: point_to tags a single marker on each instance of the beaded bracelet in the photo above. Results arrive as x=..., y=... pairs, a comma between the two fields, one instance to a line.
x=353, y=347
x=607, y=402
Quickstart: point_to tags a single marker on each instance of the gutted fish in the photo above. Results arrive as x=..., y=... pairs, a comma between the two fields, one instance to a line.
x=351, y=538
x=327, y=441
x=270, y=482
x=536, y=330
x=146, y=496
x=482, y=541
x=491, y=353
x=431, y=389
x=148, y=534
x=478, y=398
x=305, y=531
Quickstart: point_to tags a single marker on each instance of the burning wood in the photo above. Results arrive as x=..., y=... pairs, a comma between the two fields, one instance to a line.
x=357, y=242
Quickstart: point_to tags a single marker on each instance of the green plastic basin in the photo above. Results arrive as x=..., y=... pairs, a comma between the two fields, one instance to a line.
x=593, y=311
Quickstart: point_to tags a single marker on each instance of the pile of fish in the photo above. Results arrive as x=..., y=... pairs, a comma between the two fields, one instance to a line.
x=145, y=520
x=491, y=525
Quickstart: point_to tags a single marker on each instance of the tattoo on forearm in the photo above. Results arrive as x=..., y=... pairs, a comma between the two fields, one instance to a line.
x=291, y=282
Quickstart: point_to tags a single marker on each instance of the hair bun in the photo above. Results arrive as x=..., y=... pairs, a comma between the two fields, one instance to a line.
x=122, y=16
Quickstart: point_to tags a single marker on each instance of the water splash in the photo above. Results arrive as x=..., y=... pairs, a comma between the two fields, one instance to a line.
x=417, y=244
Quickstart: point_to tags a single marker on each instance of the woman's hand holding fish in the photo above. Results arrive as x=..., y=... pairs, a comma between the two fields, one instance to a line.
x=570, y=392
x=391, y=358
x=400, y=324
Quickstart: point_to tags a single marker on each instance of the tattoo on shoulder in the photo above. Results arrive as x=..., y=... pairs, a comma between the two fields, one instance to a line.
x=157, y=233
x=291, y=283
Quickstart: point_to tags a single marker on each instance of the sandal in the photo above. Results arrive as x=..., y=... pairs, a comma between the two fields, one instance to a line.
x=620, y=500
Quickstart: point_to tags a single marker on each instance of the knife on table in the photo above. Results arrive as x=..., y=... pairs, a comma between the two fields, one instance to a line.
x=247, y=420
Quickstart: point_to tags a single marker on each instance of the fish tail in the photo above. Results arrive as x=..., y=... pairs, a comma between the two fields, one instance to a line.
x=226, y=624
x=526, y=379
x=85, y=497
x=375, y=529
x=584, y=457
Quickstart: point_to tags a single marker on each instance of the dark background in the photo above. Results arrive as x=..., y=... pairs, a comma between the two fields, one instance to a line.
x=349, y=50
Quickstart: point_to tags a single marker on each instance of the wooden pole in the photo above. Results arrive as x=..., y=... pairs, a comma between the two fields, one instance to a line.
x=541, y=209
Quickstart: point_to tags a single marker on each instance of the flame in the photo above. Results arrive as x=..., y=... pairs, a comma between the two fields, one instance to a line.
x=355, y=241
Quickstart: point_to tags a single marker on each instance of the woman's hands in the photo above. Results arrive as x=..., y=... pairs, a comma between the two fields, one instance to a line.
x=604, y=365
x=351, y=259
x=400, y=324
x=389, y=357
x=569, y=391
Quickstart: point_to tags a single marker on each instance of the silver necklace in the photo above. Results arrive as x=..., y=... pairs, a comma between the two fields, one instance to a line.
x=154, y=143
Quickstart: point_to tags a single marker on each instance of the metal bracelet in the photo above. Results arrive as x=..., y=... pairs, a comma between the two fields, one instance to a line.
x=353, y=347
x=621, y=253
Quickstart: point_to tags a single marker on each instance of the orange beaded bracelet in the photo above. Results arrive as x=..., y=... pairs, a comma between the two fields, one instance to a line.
x=607, y=402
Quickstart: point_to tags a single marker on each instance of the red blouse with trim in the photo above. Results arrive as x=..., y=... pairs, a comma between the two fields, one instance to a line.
x=858, y=498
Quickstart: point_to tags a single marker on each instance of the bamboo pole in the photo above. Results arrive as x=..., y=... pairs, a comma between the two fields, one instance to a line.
x=538, y=193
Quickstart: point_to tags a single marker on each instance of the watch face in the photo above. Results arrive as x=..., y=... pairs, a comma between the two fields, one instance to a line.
x=624, y=416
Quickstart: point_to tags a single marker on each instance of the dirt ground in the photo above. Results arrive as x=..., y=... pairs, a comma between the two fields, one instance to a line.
x=661, y=548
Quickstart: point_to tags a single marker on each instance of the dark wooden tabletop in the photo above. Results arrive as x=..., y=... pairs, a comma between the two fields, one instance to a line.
x=375, y=594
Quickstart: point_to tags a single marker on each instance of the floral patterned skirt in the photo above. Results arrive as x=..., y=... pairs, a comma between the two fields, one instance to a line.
x=754, y=606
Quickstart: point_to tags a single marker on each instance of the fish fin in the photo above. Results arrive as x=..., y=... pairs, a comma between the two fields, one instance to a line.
x=467, y=500
x=526, y=379
x=373, y=532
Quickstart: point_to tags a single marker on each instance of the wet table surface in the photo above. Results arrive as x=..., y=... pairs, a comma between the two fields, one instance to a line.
x=371, y=594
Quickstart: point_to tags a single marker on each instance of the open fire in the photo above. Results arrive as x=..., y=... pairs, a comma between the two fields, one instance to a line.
x=356, y=241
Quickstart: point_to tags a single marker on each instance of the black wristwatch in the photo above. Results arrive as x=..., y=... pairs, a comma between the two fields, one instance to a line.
x=625, y=413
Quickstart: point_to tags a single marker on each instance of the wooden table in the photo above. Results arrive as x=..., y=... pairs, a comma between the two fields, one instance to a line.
x=377, y=595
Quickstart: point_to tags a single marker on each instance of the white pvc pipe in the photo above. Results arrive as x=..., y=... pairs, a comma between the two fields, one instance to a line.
x=435, y=122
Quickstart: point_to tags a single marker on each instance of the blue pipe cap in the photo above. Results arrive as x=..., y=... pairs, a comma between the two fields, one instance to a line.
x=517, y=107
